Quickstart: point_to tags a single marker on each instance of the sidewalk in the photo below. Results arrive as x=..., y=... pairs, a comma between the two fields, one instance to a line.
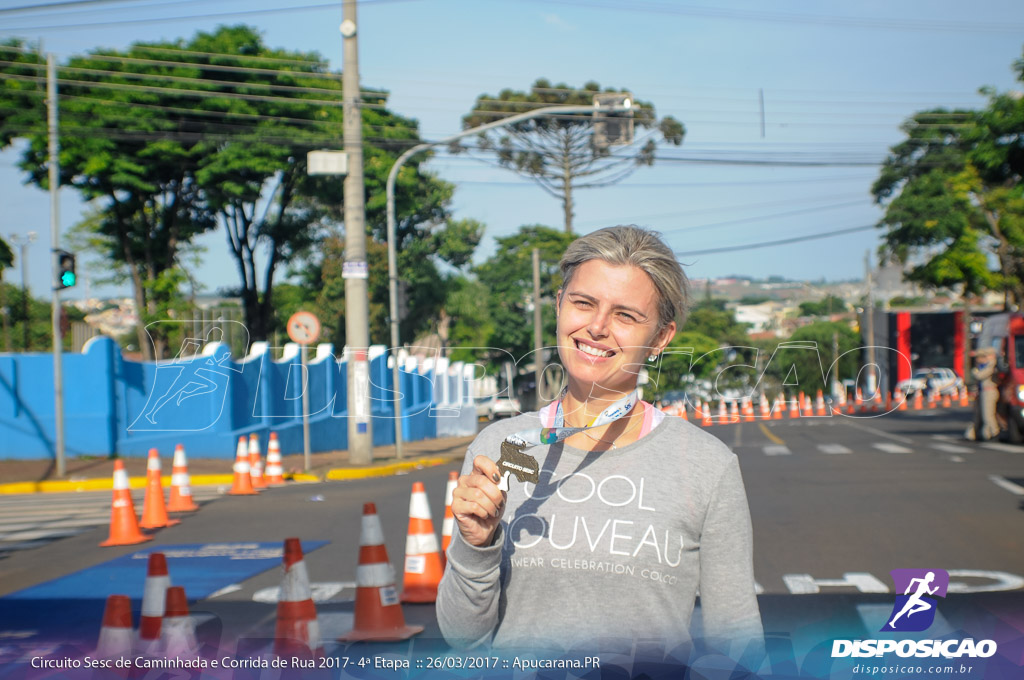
x=95, y=473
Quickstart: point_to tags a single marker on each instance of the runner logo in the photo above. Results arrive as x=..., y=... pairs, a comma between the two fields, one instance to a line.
x=914, y=610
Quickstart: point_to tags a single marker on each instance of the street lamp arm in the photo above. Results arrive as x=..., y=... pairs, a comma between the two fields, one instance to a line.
x=392, y=226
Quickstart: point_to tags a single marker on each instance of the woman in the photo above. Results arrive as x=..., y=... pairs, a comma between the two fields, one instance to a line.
x=630, y=516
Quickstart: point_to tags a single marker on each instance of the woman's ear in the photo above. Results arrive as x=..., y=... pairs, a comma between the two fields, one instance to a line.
x=664, y=337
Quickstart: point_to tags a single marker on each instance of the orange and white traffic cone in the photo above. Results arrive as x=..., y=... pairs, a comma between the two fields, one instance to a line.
x=378, y=610
x=819, y=405
x=423, y=568
x=899, y=399
x=256, y=463
x=448, y=523
x=734, y=412
x=242, y=485
x=181, y=491
x=154, y=509
x=947, y=402
x=765, y=410
x=794, y=409
x=748, y=410
x=918, y=400
x=698, y=412
x=779, y=406
x=178, y=633
x=964, y=399
x=706, y=419
x=124, y=526
x=681, y=408
x=154, y=597
x=723, y=412
x=274, y=472
x=116, y=631
x=298, y=630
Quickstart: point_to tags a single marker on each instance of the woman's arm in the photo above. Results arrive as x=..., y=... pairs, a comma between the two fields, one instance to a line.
x=727, y=599
x=467, y=599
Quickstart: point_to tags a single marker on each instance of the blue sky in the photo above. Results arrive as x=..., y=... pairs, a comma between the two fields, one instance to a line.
x=838, y=78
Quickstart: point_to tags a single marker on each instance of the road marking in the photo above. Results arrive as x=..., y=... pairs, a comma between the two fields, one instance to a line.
x=951, y=448
x=833, y=448
x=878, y=432
x=1005, y=483
x=891, y=448
x=772, y=437
x=997, y=446
x=776, y=450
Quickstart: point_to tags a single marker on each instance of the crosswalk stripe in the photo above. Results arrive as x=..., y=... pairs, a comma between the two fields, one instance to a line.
x=1004, y=483
x=998, y=446
x=891, y=448
x=833, y=448
x=776, y=450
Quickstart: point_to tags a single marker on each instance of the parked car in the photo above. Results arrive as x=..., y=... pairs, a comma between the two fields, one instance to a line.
x=942, y=380
x=494, y=406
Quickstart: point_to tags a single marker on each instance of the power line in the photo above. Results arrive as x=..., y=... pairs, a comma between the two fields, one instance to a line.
x=58, y=5
x=634, y=6
x=190, y=17
x=780, y=242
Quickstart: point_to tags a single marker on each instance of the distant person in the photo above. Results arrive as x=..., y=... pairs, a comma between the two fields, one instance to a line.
x=985, y=425
x=634, y=511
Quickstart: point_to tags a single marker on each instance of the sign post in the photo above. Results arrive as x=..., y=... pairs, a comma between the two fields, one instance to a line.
x=304, y=329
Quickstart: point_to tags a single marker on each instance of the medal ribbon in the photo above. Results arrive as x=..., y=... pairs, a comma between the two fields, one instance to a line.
x=553, y=435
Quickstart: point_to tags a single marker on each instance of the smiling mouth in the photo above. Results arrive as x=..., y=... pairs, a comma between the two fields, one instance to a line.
x=593, y=351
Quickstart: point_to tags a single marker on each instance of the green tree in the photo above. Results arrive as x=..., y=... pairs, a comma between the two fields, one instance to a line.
x=680, y=363
x=125, y=150
x=830, y=305
x=954, y=197
x=811, y=368
x=508, y=275
x=556, y=152
x=710, y=318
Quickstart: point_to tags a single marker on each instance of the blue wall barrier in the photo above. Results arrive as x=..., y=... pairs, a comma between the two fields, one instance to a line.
x=116, y=406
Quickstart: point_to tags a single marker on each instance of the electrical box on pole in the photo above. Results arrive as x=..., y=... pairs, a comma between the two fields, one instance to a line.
x=613, y=120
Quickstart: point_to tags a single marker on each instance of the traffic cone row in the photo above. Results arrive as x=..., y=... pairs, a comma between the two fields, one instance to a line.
x=126, y=527
x=165, y=627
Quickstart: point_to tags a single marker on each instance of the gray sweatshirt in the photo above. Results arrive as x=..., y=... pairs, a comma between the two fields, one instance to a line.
x=607, y=545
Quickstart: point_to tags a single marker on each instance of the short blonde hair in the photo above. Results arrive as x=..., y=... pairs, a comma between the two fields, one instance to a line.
x=640, y=248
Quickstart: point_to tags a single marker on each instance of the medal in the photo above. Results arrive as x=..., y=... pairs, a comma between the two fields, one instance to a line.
x=513, y=460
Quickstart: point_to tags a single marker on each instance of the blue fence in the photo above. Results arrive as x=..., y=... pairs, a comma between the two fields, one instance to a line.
x=117, y=406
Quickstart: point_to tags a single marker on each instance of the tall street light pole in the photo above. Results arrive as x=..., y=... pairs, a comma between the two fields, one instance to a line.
x=23, y=242
x=392, y=246
x=54, y=181
x=355, y=270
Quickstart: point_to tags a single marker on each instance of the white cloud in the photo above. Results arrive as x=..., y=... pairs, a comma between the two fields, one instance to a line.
x=557, y=22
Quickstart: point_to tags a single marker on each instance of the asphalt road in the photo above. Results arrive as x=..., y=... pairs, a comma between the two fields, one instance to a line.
x=836, y=504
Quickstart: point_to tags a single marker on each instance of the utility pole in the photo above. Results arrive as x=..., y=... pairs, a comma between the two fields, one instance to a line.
x=23, y=242
x=355, y=269
x=54, y=180
x=869, y=324
x=538, y=367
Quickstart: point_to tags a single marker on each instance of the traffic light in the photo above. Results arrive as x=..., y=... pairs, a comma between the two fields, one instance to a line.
x=66, y=277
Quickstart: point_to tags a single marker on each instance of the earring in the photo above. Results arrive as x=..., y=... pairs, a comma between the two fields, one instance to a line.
x=653, y=357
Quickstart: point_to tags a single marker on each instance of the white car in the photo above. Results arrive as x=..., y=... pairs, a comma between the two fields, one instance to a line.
x=943, y=380
x=497, y=407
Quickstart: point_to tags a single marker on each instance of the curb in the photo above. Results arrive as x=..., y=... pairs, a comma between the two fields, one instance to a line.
x=335, y=474
x=342, y=474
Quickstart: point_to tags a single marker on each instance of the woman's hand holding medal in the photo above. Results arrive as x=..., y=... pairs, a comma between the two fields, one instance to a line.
x=478, y=504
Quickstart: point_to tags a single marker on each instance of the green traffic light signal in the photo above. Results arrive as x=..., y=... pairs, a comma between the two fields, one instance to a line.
x=65, y=269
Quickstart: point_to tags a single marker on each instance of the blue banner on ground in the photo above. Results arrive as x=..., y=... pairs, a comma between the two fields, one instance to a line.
x=71, y=607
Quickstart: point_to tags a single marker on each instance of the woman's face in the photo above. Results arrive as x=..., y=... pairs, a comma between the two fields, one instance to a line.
x=608, y=326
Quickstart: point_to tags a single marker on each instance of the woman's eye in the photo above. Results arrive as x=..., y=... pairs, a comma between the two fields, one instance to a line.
x=627, y=317
x=581, y=303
